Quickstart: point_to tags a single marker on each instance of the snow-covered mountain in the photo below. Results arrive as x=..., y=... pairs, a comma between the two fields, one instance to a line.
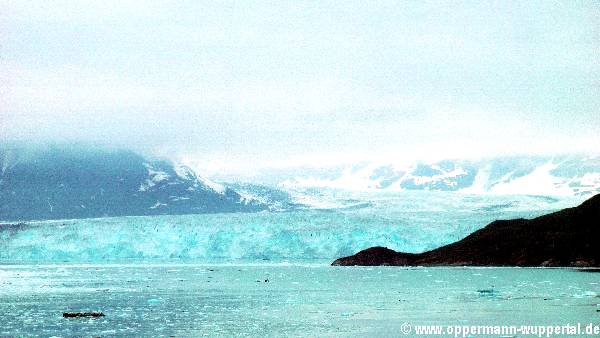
x=58, y=182
x=574, y=175
x=276, y=199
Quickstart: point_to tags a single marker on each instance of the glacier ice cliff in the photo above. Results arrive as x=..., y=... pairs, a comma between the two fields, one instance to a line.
x=405, y=221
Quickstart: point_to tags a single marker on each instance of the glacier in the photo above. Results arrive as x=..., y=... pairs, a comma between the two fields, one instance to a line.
x=405, y=221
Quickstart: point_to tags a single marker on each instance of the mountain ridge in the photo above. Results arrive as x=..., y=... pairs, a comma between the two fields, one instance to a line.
x=565, y=175
x=58, y=182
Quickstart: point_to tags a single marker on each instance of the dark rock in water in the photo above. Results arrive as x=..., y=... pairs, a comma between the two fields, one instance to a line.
x=565, y=238
x=82, y=314
x=486, y=291
x=491, y=293
x=379, y=256
x=592, y=270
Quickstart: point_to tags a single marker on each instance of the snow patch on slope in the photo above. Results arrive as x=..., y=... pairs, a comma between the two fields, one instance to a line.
x=154, y=177
x=538, y=182
x=219, y=188
x=353, y=178
x=480, y=182
x=555, y=176
x=183, y=172
x=158, y=205
x=443, y=177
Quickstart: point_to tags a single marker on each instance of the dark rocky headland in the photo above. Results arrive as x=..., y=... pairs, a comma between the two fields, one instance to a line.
x=569, y=237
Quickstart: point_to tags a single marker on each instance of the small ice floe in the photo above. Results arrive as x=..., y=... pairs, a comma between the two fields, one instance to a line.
x=586, y=294
x=155, y=301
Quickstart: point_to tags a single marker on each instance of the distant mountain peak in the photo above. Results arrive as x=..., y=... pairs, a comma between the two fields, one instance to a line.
x=573, y=175
x=60, y=182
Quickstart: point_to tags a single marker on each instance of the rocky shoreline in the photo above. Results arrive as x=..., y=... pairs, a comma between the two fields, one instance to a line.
x=567, y=238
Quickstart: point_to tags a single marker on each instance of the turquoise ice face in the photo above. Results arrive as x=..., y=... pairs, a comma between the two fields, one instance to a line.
x=342, y=224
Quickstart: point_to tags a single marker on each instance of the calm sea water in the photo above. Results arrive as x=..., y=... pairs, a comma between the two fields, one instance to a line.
x=189, y=300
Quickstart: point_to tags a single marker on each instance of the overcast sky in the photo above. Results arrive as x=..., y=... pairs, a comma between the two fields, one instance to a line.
x=228, y=83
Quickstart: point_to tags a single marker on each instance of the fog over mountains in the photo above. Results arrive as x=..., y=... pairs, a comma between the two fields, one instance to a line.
x=73, y=182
